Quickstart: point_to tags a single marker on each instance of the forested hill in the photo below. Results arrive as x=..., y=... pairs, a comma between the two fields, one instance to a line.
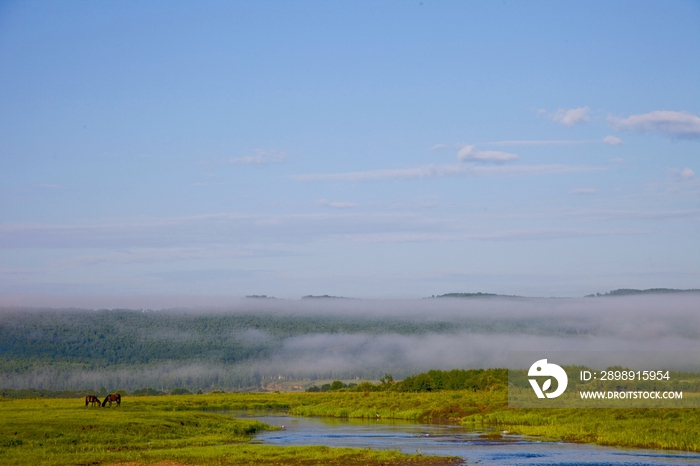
x=103, y=338
x=128, y=349
x=110, y=337
x=314, y=339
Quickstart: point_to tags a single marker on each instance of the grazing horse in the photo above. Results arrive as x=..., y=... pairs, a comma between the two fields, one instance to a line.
x=92, y=399
x=115, y=397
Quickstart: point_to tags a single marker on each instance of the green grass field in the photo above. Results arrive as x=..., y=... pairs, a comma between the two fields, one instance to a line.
x=668, y=429
x=148, y=430
x=189, y=429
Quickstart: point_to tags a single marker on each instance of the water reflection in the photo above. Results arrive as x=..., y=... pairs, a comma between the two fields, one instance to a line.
x=486, y=448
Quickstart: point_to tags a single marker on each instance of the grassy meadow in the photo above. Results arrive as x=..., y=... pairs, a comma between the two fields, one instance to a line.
x=147, y=430
x=190, y=429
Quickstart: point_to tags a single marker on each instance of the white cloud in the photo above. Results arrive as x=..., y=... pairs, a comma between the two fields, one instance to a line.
x=468, y=153
x=438, y=147
x=616, y=160
x=675, y=124
x=336, y=205
x=439, y=171
x=571, y=117
x=584, y=191
x=685, y=174
x=261, y=157
x=612, y=140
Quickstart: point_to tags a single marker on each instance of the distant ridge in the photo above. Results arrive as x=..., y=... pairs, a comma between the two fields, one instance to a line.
x=631, y=291
x=325, y=296
x=260, y=296
x=618, y=292
x=474, y=295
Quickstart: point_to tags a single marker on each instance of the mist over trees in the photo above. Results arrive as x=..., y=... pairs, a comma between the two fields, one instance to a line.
x=75, y=349
x=331, y=339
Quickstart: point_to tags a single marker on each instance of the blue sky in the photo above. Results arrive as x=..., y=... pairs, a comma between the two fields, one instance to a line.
x=365, y=149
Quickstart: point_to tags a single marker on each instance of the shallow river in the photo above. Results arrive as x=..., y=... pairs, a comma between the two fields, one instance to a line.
x=454, y=441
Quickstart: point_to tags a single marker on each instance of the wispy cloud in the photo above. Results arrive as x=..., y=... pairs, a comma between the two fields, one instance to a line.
x=612, y=140
x=439, y=147
x=536, y=143
x=167, y=255
x=261, y=157
x=584, y=191
x=439, y=171
x=336, y=204
x=653, y=215
x=675, y=124
x=232, y=235
x=187, y=276
x=150, y=236
x=468, y=153
x=506, y=235
x=572, y=116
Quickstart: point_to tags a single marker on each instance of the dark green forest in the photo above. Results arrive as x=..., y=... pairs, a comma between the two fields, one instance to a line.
x=111, y=337
x=85, y=349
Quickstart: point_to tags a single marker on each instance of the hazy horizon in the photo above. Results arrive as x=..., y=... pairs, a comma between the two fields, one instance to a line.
x=155, y=302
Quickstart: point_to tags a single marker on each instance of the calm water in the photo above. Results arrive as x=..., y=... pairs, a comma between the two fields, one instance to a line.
x=455, y=441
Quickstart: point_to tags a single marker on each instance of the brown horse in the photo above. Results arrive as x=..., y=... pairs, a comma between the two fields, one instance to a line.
x=92, y=399
x=112, y=397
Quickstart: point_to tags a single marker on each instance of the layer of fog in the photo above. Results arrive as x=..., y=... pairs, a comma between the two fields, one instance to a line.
x=643, y=317
x=645, y=324
x=349, y=356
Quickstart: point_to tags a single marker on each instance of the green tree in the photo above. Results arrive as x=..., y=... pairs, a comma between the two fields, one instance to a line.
x=387, y=380
x=337, y=385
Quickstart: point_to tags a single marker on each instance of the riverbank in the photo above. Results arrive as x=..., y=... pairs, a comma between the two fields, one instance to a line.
x=659, y=428
x=147, y=430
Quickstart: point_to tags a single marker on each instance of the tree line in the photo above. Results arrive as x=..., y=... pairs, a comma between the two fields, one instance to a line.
x=434, y=380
